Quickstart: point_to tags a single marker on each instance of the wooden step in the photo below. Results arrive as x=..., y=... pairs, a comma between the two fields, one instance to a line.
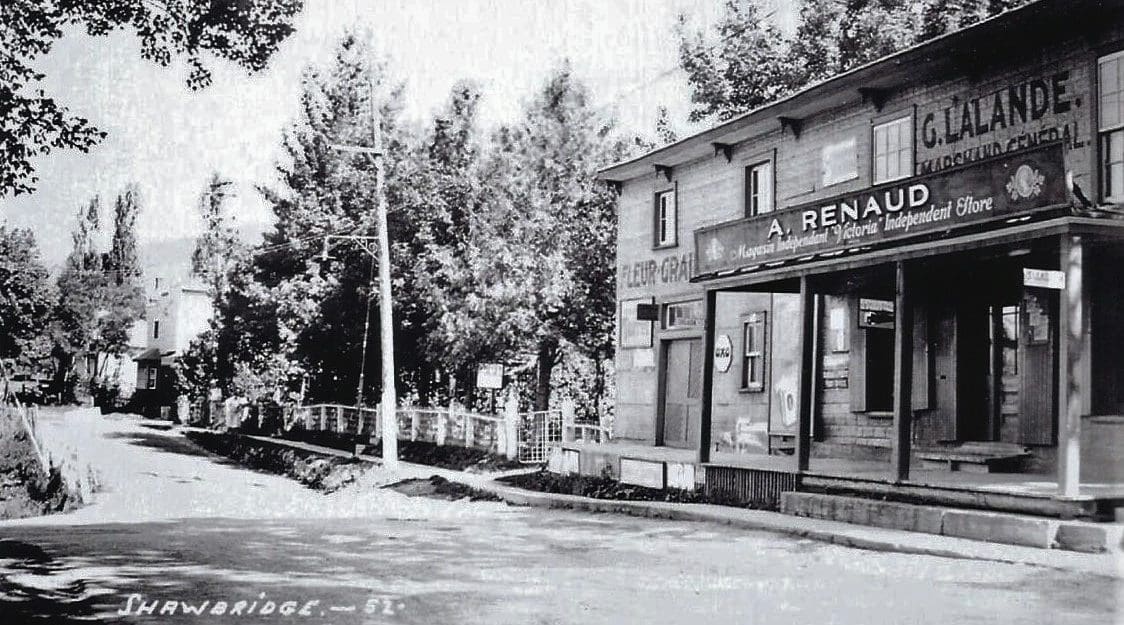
x=975, y=456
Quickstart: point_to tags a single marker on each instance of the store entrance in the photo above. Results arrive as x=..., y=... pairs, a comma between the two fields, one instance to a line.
x=976, y=379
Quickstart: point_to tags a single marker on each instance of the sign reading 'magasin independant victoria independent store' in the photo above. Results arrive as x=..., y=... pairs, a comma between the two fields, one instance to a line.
x=1001, y=187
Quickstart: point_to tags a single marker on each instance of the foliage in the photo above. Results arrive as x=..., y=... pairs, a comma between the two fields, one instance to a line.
x=535, y=273
x=99, y=294
x=26, y=297
x=246, y=32
x=219, y=248
x=746, y=62
x=746, y=68
x=288, y=315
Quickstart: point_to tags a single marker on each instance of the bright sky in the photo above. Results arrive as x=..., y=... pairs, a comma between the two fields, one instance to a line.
x=169, y=139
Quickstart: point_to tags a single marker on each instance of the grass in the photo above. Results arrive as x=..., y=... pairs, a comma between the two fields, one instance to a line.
x=27, y=490
x=608, y=488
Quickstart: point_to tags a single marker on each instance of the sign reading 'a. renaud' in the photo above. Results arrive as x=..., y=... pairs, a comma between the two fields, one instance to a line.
x=1001, y=187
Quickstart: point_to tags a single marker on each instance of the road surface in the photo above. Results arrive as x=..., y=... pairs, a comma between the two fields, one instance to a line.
x=177, y=531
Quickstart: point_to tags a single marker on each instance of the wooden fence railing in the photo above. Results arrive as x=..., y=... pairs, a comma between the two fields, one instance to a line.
x=526, y=436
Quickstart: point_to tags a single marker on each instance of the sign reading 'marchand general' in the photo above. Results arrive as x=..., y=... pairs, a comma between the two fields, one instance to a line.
x=1001, y=187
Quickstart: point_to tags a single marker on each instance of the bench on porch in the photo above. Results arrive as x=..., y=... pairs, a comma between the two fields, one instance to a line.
x=977, y=457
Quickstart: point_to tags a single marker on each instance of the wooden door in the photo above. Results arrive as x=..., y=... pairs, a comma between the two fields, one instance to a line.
x=682, y=391
x=1037, y=399
x=945, y=375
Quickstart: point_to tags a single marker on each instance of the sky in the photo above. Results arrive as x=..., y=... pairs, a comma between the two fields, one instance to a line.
x=168, y=139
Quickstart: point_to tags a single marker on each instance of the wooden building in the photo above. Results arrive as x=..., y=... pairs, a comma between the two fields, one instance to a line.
x=913, y=266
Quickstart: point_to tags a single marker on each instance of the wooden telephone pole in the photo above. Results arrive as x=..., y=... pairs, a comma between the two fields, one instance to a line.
x=388, y=413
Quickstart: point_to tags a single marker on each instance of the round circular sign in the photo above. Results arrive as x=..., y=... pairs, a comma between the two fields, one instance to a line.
x=723, y=352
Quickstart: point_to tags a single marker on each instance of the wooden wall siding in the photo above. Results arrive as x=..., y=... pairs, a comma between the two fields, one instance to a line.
x=739, y=418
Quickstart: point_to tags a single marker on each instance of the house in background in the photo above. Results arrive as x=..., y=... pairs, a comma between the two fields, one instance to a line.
x=174, y=316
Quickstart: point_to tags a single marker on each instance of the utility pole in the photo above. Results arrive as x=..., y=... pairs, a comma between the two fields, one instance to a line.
x=388, y=412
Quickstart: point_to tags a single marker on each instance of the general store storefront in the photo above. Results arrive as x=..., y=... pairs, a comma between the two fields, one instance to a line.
x=940, y=335
x=903, y=278
x=964, y=321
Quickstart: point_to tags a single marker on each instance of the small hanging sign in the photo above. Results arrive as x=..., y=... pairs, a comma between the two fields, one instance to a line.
x=1044, y=278
x=723, y=353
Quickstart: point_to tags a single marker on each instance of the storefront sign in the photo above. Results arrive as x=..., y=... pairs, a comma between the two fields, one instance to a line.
x=667, y=270
x=1044, y=278
x=489, y=375
x=1001, y=187
x=1012, y=117
x=723, y=353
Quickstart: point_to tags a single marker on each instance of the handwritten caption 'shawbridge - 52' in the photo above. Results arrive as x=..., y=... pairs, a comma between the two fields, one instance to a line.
x=138, y=605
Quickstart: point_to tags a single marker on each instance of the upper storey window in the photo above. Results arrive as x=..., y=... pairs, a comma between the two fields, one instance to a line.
x=1110, y=126
x=667, y=219
x=759, y=189
x=893, y=149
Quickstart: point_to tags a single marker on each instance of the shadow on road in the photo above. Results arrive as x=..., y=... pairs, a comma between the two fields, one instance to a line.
x=164, y=442
x=31, y=592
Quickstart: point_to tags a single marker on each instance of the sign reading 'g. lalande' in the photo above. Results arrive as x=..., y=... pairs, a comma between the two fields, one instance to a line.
x=1001, y=187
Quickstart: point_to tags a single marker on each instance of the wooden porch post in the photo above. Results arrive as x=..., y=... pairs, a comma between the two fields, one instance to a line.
x=903, y=375
x=806, y=373
x=707, y=376
x=1070, y=340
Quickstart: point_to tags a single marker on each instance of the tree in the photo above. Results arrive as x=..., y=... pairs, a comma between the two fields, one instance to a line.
x=81, y=285
x=833, y=37
x=245, y=32
x=99, y=295
x=123, y=296
x=25, y=294
x=745, y=68
x=219, y=248
x=538, y=265
x=289, y=314
x=746, y=63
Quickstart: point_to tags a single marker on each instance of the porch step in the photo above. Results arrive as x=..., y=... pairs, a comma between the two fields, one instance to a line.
x=979, y=457
x=995, y=527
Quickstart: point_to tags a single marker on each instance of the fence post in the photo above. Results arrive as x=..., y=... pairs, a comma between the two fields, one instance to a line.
x=323, y=417
x=568, y=421
x=341, y=426
x=415, y=424
x=510, y=436
x=467, y=429
x=444, y=418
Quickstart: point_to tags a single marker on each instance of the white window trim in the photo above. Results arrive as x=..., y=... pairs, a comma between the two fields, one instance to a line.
x=769, y=191
x=760, y=353
x=1103, y=131
x=908, y=171
x=672, y=232
x=665, y=322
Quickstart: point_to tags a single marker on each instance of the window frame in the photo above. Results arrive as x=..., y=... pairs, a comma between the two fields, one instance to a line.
x=665, y=315
x=659, y=219
x=756, y=322
x=1106, y=132
x=752, y=210
x=155, y=328
x=905, y=121
x=151, y=377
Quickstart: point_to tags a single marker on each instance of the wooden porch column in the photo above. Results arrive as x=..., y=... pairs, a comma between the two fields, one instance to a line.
x=1071, y=329
x=711, y=303
x=903, y=376
x=807, y=374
